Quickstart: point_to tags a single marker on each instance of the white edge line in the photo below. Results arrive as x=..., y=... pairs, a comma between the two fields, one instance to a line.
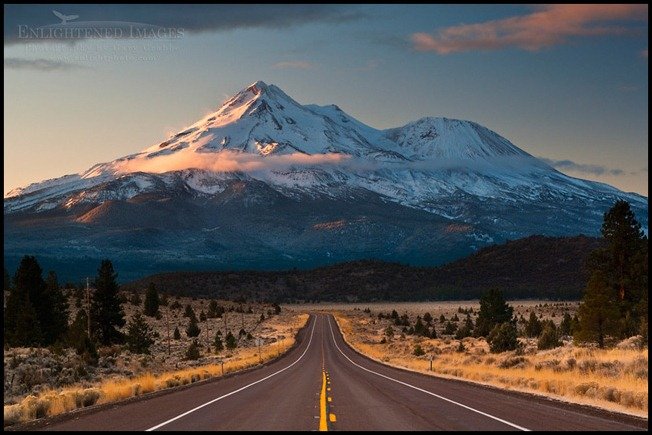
x=238, y=390
x=422, y=390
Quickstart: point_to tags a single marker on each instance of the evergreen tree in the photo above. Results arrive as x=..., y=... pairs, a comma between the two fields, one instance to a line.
x=57, y=329
x=219, y=346
x=389, y=332
x=566, y=325
x=623, y=263
x=419, y=327
x=427, y=318
x=549, y=337
x=177, y=334
x=598, y=313
x=503, y=337
x=450, y=328
x=21, y=319
x=214, y=310
x=106, y=313
x=231, y=341
x=192, y=353
x=394, y=314
x=533, y=327
x=151, y=301
x=189, y=312
x=466, y=330
x=135, y=298
x=139, y=334
x=77, y=337
x=493, y=311
x=418, y=350
x=202, y=316
x=164, y=300
x=193, y=330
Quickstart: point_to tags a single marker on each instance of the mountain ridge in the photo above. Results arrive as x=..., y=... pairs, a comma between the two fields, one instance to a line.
x=260, y=180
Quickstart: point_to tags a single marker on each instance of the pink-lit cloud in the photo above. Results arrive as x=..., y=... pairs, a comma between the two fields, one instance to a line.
x=547, y=26
x=293, y=64
x=227, y=161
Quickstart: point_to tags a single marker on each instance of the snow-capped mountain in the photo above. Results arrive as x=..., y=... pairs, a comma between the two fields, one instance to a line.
x=267, y=182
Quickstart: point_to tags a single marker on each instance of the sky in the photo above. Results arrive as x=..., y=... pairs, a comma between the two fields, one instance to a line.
x=565, y=83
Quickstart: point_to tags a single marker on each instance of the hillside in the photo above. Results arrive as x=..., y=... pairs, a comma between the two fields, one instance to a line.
x=533, y=267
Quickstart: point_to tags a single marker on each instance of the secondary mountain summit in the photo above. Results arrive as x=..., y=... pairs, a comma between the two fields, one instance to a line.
x=265, y=182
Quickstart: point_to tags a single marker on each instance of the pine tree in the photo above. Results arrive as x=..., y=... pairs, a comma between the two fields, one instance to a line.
x=427, y=318
x=493, y=311
x=151, y=301
x=59, y=326
x=202, y=316
x=503, y=338
x=135, y=298
x=21, y=320
x=189, y=312
x=623, y=263
x=177, y=334
x=231, y=341
x=106, y=313
x=193, y=330
x=77, y=337
x=549, y=337
x=139, y=335
x=450, y=328
x=193, y=351
x=533, y=327
x=566, y=325
x=219, y=346
x=419, y=327
x=598, y=313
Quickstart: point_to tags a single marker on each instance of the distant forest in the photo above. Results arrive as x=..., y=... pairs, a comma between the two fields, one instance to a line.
x=534, y=267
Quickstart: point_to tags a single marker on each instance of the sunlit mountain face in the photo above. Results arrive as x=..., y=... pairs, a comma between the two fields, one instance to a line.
x=265, y=182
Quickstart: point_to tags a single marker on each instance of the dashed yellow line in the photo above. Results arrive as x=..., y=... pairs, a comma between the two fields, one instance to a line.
x=323, y=424
x=332, y=417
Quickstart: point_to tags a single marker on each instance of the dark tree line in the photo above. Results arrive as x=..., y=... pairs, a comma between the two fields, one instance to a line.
x=37, y=311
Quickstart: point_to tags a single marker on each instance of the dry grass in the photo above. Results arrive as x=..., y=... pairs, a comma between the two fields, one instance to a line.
x=614, y=379
x=53, y=402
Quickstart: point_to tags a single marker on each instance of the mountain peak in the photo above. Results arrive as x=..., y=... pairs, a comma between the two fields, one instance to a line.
x=258, y=87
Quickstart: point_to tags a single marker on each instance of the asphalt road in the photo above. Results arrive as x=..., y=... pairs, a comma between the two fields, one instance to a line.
x=324, y=384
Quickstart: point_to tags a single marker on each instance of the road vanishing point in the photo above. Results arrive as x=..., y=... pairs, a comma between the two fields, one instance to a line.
x=322, y=384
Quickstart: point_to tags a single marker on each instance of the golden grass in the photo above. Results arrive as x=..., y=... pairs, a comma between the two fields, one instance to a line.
x=54, y=402
x=613, y=379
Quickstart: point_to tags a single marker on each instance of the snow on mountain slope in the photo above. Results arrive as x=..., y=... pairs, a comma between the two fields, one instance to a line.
x=262, y=134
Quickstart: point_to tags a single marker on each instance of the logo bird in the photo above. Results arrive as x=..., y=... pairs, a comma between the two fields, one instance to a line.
x=65, y=18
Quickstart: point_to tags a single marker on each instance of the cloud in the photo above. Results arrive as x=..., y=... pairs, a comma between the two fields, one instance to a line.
x=547, y=26
x=569, y=165
x=228, y=161
x=293, y=64
x=192, y=18
x=45, y=65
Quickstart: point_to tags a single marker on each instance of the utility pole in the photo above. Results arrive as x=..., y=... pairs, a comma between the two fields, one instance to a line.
x=88, y=307
x=167, y=322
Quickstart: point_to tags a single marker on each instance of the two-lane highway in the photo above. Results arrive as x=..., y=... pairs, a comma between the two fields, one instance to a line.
x=324, y=385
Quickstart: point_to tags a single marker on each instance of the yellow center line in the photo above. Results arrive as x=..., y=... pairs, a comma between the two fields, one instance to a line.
x=323, y=424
